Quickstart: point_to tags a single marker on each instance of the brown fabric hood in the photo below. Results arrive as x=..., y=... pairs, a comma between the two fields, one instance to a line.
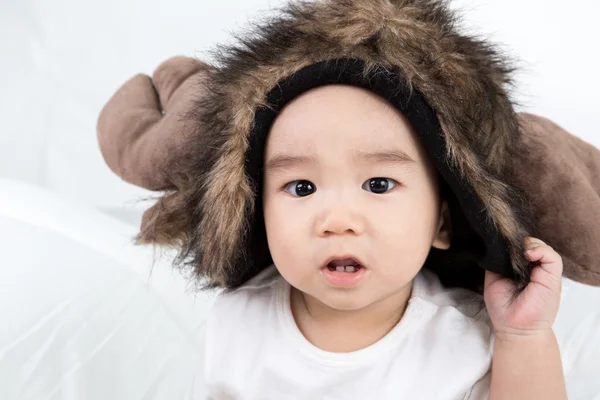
x=209, y=210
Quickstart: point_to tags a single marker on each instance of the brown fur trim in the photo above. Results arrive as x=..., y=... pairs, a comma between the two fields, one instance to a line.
x=463, y=78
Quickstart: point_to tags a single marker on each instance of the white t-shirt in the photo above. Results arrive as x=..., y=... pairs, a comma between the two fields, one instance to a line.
x=252, y=349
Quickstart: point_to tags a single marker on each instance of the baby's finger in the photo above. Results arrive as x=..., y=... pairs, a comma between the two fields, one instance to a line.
x=542, y=253
x=533, y=243
x=549, y=259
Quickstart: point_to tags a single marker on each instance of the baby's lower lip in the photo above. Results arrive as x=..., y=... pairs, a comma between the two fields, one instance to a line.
x=343, y=279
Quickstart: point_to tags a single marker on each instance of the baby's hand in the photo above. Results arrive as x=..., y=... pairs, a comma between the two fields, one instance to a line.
x=535, y=309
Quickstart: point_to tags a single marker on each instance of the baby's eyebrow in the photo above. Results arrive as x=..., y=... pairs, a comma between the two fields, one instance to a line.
x=284, y=161
x=393, y=156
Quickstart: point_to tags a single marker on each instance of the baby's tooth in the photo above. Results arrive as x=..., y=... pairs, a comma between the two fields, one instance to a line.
x=350, y=269
x=339, y=269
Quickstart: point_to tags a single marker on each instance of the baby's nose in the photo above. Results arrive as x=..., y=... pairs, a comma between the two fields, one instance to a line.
x=338, y=219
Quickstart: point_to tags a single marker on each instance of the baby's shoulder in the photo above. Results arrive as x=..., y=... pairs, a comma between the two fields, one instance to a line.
x=248, y=301
x=462, y=303
x=459, y=318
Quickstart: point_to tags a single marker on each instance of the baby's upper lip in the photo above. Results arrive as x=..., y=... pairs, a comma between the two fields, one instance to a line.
x=343, y=257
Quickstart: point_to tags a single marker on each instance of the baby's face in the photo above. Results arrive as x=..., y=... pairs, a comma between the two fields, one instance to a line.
x=345, y=177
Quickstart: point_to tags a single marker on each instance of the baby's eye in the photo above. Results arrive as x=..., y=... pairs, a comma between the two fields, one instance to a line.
x=300, y=188
x=379, y=185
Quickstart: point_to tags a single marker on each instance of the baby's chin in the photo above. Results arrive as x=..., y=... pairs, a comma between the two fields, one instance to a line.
x=347, y=300
x=372, y=291
x=371, y=296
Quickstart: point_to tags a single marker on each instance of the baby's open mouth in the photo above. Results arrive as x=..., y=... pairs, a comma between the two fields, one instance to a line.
x=344, y=271
x=346, y=265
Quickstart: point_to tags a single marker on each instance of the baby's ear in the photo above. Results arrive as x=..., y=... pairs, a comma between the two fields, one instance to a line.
x=444, y=231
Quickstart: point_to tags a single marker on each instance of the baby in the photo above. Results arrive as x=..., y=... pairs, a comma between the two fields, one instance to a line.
x=352, y=206
x=349, y=185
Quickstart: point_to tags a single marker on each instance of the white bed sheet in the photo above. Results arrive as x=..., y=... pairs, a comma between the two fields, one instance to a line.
x=83, y=319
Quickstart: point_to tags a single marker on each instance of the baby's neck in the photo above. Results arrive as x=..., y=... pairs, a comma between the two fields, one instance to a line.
x=345, y=331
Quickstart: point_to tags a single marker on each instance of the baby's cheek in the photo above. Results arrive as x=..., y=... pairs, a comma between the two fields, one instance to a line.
x=283, y=237
x=402, y=241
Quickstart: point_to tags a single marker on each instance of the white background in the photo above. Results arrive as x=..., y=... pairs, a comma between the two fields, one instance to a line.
x=63, y=59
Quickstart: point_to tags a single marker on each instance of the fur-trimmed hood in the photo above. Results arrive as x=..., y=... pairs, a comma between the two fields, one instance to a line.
x=214, y=216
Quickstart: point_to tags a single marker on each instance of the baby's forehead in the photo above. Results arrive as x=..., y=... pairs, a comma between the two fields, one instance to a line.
x=349, y=98
x=339, y=105
x=343, y=116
